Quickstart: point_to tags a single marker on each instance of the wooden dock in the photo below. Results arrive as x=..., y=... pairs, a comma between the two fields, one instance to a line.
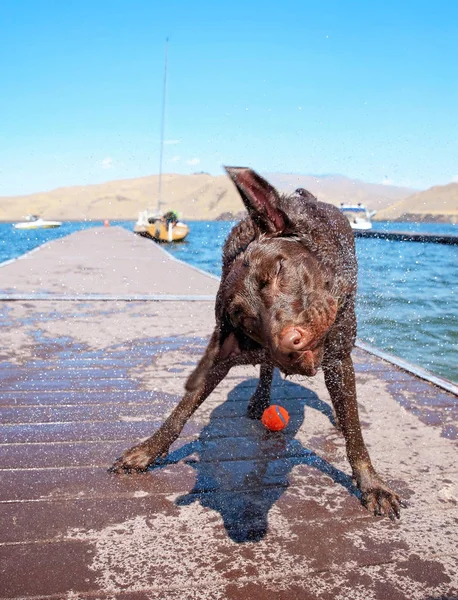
x=99, y=331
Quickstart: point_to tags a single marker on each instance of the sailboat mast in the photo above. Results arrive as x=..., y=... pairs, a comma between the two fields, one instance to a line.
x=161, y=152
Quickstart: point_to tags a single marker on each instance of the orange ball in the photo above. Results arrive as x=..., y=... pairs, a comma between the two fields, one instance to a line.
x=275, y=418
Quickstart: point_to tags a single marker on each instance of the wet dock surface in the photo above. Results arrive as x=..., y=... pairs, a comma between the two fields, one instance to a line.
x=234, y=511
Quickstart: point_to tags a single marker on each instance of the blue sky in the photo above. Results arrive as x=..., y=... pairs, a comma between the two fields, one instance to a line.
x=364, y=89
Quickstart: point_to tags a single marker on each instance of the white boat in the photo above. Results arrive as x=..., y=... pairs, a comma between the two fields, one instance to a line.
x=35, y=222
x=358, y=215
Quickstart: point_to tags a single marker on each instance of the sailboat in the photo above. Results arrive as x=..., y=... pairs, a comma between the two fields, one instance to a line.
x=154, y=224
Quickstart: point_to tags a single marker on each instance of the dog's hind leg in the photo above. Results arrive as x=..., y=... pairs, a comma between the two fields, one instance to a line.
x=260, y=400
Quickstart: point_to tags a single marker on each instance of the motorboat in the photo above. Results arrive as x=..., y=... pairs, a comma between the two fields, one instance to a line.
x=36, y=222
x=358, y=215
x=161, y=228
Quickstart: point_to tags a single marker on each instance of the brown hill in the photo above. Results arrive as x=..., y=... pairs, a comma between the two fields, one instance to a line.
x=194, y=196
x=338, y=188
x=198, y=196
x=439, y=203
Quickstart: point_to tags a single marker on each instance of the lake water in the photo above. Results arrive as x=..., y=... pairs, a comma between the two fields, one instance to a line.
x=407, y=299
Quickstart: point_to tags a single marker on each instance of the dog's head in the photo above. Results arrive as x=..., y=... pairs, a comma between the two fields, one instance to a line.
x=276, y=292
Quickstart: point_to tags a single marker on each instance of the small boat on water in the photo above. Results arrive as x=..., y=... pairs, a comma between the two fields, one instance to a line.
x=155, y=225
x=36, y=222
x=358, y=215
x=161, y=228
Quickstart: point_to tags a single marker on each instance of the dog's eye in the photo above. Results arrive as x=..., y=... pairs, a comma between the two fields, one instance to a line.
x=234, y=317
x=249, y=324
x=264, y=283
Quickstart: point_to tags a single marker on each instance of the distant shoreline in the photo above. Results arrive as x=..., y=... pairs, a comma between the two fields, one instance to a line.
x=451, y=219
x=215, y=198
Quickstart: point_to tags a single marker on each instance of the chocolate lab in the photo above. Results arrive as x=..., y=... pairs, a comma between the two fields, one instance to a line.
x=286, y=300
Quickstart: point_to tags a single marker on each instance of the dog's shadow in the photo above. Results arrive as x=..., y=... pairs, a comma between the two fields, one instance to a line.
x=242, y=469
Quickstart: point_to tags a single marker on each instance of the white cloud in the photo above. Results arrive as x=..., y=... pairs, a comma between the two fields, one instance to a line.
x=455, y=179
x=174, y=159
x=106, y=163
x=171, y=142
x=387, y=181
x=193, y=161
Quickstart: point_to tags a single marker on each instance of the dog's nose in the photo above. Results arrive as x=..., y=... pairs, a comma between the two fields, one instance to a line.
x=293, y=338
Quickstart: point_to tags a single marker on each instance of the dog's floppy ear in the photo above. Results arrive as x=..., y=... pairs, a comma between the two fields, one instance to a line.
x=260, y=199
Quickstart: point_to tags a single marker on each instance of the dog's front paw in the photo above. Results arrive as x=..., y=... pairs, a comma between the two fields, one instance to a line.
x=255, y=412
x=257, y=405
x=140, y=457
x=380, y=499
x=135, y=460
